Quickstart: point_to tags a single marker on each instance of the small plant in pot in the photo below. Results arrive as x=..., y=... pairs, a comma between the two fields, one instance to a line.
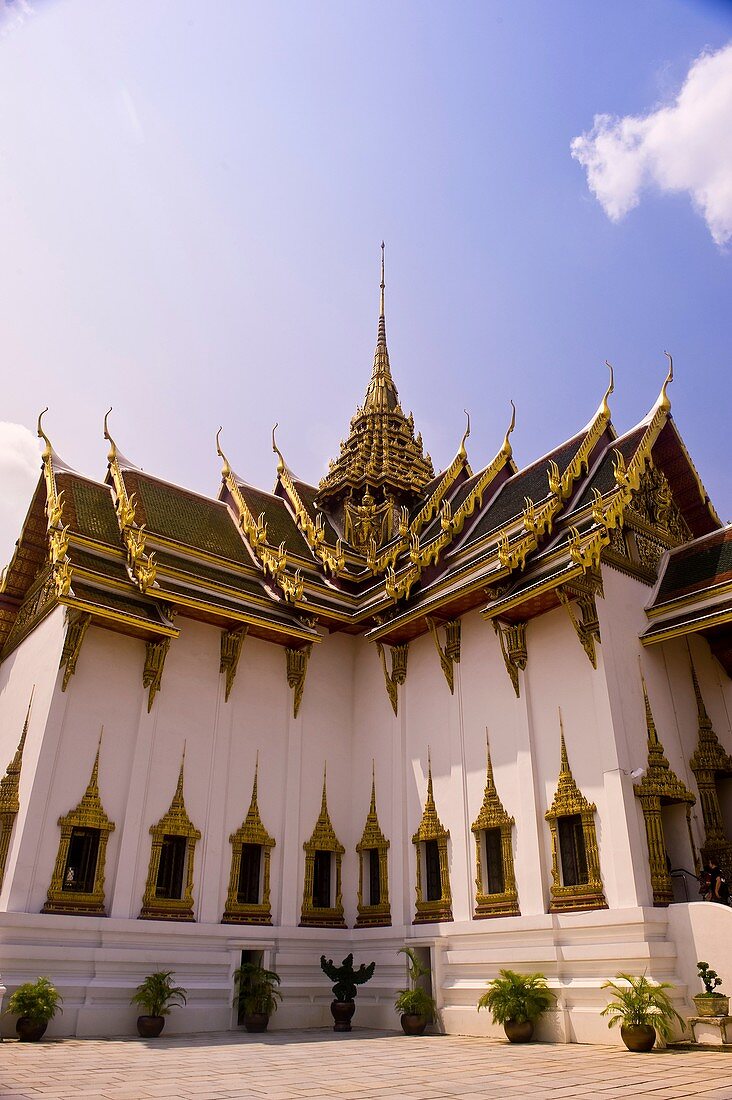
x=710, y=1003
x=345, y=980
x=34, y=1003
x=517, y=1001
x=642, y=1009
x=256, y=994
x=414, y=1004
x=156, y=995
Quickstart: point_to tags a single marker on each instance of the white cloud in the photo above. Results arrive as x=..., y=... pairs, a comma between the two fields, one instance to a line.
x=19, y=472
x=13, y=13
x=685, y=146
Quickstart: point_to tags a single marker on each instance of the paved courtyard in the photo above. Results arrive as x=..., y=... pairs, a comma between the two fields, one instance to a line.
x=364, y=1064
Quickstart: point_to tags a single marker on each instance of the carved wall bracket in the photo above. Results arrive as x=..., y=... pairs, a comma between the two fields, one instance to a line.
x=450, y=655
x=512, y=637
x=398, y=676
x=587, y=628
x=152, y=675
x=231, y=646
x=252, y=831
x=76, y=628
x=297, y=667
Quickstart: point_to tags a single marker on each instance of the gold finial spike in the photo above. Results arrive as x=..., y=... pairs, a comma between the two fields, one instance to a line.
x=701, y=710
x=178, y=796
x=507, y=449
x=462, y=452
x=372, y=809
x=93, y=787
x=488, y=761
x=324, y=797
x=382, y=284
x=255, y=784
x=280, y=460
x=48, y=449
x=650, y=724
x=111, y=457
x=664, y=401
x=430, y=792
x=564, y=767
x=226, y=468
x=604, y=406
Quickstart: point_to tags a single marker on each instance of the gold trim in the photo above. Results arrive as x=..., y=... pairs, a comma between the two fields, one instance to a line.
x=512, y=638
x=587, y=628
x=568, y=802
x=494, y=816
x=175, y=822
x=431, y=828
x=398, y=675
x=10, y=793
x=152, y=675
x=297, y=667
x=76, y=628
x=322, y=839
x=372, y=838
x=88, y=814
x=231, y=646
x=251, y=831
x=140, y=565
x=450, y=655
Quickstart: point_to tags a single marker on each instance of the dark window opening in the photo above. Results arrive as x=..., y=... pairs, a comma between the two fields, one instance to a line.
x=321, y=880
x=249, y=869
x=81, y=862
x=374, y=876
x=432, y=866
x=170, y=870
x=572, y=851
x=495, y=880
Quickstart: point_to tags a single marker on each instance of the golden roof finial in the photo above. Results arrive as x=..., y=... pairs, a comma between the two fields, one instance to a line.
x=507, y=449
x=178, y=796
x=324, y=797
x=281, y=464
x=226, y=468
x=372, y=809
x=112, y=445
x=382, y=284
x=93, y=785
x=604, y=407
x=564, y=767
x=48, y=449
x=430, y=793
x=664, y=402
x=488, y=762
x=461, y=451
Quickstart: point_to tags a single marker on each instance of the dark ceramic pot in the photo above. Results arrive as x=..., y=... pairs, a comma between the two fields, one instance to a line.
x=639, y=1039
x=256, y=1021
x=30, y=1030
x=149, y=1027
x=519, y=1031
x=342, y=1014
x=413, y=1024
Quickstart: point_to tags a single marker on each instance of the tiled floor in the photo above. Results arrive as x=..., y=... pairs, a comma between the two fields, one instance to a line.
x=364, y=1064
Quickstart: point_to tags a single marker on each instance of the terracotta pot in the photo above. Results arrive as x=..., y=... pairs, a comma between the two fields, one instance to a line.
x=412, y=1024
x=639, y=1039
x=519, y=1031
x=711, y=1004
x=256, y=1021
x=342, y=1012
x=30, y=1030
x=149, y=1027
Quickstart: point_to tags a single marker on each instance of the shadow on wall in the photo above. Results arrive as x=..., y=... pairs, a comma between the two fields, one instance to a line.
x=701, y=930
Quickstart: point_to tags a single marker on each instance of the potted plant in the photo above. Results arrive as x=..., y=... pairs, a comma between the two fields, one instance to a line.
x=34, y=1003
x=517, y=1001
x=256, y=994
x=345, y=980
x=414, y=1004
x=710, y=1003
x=642, y=1009
x=156, y=995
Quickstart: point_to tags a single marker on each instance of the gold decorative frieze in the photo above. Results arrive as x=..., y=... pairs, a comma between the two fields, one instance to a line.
x=450, y=654
x=152, y=674
x=231, y=645
x=297, y=667
x=76, y=628
x=248, y=899
x=495, y=879
x=398, y=675
x=373, y=865
x=660, y=786
x=169, y=888
x=512, y=637
x=41, y=598
x=77, y=883
x=434, y=897
x=322, y=899
x=10, y=794
x=576, y=878
x=710, y=763
x=140, y=565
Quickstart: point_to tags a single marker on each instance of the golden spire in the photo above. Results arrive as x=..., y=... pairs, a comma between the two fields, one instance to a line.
x=701, y=710
x=226, y=467
x=178, y=801
x=382, y=314
x=54, y=499
x=111, y=457
x=664, y=401
x=604, y=407
x=372, y=808
x=324, y=796
x=490, y=783
x=253, y=819
x=10, y=782
x=381, y=395
x=564, y=768
x=430, y=802
x=462, y=452
x=653, y=742
x=281, y=464
x=507, y=449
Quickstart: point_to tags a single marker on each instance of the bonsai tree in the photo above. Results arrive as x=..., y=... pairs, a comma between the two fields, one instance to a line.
x=710, y=978
x=256, y=994
x=345, y=982
x=710, y=1003
x=414, y=1004
x=517, y=1001
x=642, y=1009
x=156, y=995
x=35, y=1003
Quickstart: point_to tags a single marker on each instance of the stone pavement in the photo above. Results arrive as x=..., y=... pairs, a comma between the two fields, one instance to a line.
x=289, y=1065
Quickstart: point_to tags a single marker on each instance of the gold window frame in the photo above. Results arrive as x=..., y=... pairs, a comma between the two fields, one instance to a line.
x=431, y=828
x=372, y=839
x=323, y=839
x=252, y=831
x=175, y=822
x=493, y=815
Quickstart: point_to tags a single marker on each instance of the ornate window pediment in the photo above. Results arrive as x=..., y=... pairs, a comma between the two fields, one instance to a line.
x=495, y=878
x=373, y=871
x=323, y=855
x=434, y=897
x=248, y=900
x=169, y=889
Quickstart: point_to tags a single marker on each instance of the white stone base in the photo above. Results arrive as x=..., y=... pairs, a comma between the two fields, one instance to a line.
x=715, y=1031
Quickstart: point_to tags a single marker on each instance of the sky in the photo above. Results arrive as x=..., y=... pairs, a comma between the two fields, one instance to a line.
x=193, y=197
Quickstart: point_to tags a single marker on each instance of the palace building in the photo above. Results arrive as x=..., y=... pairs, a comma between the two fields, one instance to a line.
x=483, y=712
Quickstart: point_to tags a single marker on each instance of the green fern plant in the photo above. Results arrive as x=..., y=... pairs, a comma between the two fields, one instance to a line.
x=640, y=1003
x=39, y=1000
x=517, y=997
x=415, y=1001
x=156, y=995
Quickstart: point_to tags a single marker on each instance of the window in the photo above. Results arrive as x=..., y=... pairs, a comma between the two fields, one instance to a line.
x=374, y=876
x=169, y=883
x=321, y=880
x=432, y=867
x=81, y=862
x=572, y=850
x=249, y=873
x=495, y=880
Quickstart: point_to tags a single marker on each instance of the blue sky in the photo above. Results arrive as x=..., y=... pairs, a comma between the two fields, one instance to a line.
x=192, y=199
